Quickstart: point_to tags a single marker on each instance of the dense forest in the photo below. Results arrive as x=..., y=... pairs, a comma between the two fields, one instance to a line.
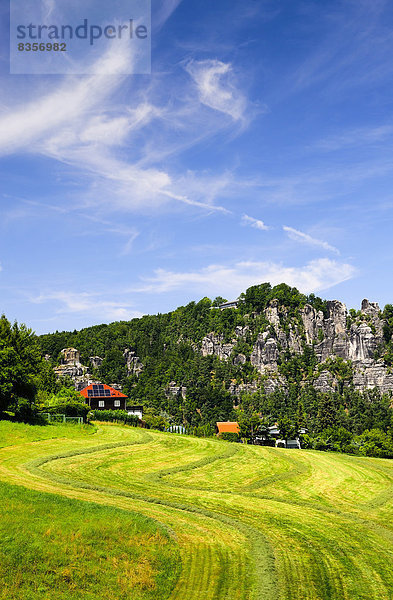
x=178, y=384
x=208, y=389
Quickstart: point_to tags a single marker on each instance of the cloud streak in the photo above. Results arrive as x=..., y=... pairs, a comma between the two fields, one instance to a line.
x=304, y=238
x=164, y=12
x=85, y=303
x=316, y=275
x=256, y=223
x=356, y=137
x=214, y=82
x=116, y=151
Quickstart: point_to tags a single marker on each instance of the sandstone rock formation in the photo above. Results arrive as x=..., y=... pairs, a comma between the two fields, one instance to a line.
x=335, y=334
x=174, y=390
x=72, y=367
x=96, y=361
x=133, y=362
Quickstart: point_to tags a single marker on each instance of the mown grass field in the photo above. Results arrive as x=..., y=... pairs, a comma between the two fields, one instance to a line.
x=116, y=512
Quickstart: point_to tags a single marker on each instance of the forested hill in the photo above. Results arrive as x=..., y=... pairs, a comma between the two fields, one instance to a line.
x=279, y=352
x=172, y=346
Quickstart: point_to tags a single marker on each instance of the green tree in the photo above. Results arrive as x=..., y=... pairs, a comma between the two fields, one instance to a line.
x=252, y=426
x=113, y=368
x=218, y=301
x=327, y=412
x=66, y=401
x=288, y=428
x=376, y=443
x=244, y=423
x=257, y=297
x=388, y=325
x=20, y=364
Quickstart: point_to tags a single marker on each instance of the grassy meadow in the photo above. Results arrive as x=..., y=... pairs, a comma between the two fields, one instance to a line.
x=116, y=512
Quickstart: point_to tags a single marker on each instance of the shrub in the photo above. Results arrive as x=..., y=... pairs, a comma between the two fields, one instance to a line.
x=26, y=412
x=69, y=409
x=203, y=431
x=321, y=444
x=375, y=442
x=229, y=436
x=115, y=416
x=155, y=422
x=306, y=441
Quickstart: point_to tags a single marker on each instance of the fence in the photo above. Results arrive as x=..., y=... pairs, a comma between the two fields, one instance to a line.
x=62, y=419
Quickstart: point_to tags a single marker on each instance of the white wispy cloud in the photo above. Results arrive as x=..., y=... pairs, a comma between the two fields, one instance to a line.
x=129, y=233
x=304, y=238
x=256, y=223
x=163, y=11
x=116, y=148
x=47, y=8
x=216, y=87
x=56, y=118
x=132, y=236
x=355, y=50
x=356, y=137
x=233, y=279
x=85, y=303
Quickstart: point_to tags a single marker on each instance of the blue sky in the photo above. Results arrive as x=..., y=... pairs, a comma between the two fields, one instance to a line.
x=258, y=150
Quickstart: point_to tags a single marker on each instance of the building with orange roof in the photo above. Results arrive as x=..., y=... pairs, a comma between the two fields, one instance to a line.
x=227, y=427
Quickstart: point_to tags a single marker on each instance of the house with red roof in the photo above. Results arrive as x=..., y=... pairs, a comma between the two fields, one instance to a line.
x=100, y=396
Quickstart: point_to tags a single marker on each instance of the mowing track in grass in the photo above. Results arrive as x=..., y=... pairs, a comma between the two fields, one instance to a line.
x=251, y=523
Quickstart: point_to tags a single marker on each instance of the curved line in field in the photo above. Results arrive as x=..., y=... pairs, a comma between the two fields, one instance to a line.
x=160, y=475
x=326, y=564
x=260, y=554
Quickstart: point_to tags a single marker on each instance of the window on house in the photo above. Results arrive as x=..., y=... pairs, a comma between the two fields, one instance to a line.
x=101, y=403
x=117, y=402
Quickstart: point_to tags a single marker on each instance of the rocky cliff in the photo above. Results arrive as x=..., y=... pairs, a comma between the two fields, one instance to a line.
x=133, y=362
x=354, y=337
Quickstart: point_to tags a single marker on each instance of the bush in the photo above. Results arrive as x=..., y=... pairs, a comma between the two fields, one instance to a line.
x=323, y=445
x=69, y=409
x=229, y=436
x=270, y=442
x=203, y=431
x=115, y=416
x=155, y=422
x=66, y=402
x=306, y=441
x=26, y=412
x=375, y=442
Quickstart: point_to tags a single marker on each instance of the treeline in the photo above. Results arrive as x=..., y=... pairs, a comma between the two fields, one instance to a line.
x=351, y=421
